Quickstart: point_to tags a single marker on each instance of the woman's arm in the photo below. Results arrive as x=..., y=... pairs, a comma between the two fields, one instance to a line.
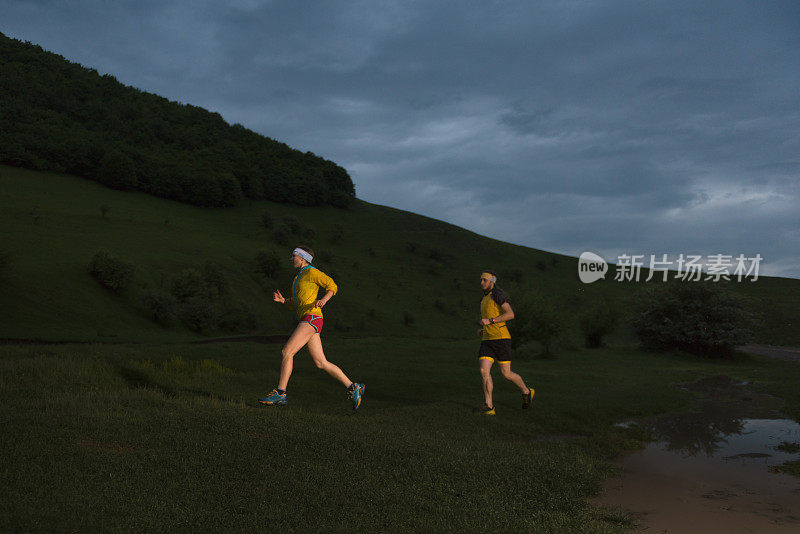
x=324, y=300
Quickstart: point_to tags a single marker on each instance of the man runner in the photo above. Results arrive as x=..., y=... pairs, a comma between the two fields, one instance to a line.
x=496, y=342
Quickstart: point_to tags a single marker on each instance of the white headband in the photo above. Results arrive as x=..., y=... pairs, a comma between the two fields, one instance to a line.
x=493, y=279
x=303, y=254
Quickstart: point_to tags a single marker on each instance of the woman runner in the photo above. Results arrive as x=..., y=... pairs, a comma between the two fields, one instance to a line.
x=309, y=310
x=496, y=342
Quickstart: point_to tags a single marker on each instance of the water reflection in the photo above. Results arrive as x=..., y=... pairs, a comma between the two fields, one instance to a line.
x=699, y=432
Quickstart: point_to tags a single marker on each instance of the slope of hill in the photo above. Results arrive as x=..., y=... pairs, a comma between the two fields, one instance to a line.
x=60, y=116
x=400, y=274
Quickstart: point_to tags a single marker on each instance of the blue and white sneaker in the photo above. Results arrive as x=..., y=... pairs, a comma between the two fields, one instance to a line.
x=356, y=394
x=273, y=399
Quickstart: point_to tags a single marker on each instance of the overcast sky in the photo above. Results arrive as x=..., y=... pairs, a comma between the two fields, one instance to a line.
x=611, y=126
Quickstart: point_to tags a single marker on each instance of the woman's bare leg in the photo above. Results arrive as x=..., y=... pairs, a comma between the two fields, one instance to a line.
x=299, y=338
x=318, y=355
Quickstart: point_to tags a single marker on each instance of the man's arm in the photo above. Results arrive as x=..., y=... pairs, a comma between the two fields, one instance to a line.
x=507, y=315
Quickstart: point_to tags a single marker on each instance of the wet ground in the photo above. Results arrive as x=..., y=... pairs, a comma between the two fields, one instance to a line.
x=710, y=470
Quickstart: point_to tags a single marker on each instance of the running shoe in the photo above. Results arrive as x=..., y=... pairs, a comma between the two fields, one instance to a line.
x=485, y=410
x=356, y=394
x=527, y=398
x=273, y=399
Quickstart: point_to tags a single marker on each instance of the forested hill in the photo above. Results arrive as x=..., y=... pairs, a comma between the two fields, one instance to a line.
x=59, y=116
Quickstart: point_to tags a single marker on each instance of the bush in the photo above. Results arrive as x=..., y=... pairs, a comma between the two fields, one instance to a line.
x=216, y=285
x=161, y=306
x=596, y=323
x=698, y=317
x=188, y=284
x=112, y=273
x=539, y=320
x=237, y=317
x=198, y=314
x=268, y=264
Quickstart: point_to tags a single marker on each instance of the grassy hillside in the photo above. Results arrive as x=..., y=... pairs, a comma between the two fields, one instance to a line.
x=390, y=265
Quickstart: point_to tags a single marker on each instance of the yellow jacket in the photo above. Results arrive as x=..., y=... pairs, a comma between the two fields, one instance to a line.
x=305, y=288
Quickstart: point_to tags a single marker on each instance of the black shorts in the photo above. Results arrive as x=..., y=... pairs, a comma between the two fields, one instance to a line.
x=497, y=350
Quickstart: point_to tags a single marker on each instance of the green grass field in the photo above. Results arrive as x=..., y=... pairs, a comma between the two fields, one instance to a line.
x=389, y=263
x=170, y=436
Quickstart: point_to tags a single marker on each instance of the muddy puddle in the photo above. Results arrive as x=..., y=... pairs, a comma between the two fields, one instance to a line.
x=710, y=470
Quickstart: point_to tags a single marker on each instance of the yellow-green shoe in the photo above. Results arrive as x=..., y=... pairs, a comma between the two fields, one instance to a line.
x=527, y=399
x=485, y=410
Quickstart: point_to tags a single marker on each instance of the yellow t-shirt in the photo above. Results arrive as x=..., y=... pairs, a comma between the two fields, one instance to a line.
x=305, y=288
x=491, y=306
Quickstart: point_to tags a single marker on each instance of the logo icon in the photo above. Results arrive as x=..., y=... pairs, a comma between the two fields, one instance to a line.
x=591, y=267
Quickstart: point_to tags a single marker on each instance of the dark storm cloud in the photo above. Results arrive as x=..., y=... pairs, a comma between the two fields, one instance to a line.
x=657, y=127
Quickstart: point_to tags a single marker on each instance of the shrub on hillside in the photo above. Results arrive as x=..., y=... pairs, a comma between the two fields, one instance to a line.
x=699, y=317
x=112, y=273
x=540, y=320
x=198, y=314
x=216, y=284
x=162, y=307
x=596, y=323
x=268, y=264
x=237, y=317
x=187, y=284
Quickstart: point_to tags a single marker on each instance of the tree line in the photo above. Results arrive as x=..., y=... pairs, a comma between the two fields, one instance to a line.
x=59, y=116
